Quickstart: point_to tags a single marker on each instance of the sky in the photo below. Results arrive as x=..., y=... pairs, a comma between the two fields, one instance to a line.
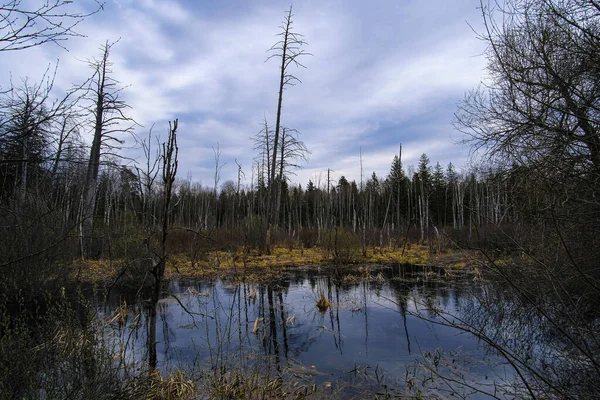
x=383, y=73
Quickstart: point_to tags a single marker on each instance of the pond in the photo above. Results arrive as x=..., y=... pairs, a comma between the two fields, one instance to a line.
x=380, y=333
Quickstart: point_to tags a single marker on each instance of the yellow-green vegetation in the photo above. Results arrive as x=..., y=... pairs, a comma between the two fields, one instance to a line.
x=252, y=261
x=94, y=270
x=416, y=254
x=459, y=265
x=502, y=262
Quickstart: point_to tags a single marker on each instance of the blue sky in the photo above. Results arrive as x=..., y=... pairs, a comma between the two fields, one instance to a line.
x=383, y=72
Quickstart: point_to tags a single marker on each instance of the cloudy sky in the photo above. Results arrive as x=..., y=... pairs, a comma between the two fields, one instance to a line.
x=383, y=73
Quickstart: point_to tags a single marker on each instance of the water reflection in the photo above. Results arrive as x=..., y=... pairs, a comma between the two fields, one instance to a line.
x=371, y=326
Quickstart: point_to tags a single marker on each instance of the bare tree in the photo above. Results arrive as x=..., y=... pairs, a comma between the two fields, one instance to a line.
x=543, y=102
x=288, y=50
x=218, y=166
x=236, y=202
x=292, y=151
x=23, y=26
x=146, y=179
x=67, y=141
x=263, y=143
x=169, y=154
x=108, y=120
x=539, y=118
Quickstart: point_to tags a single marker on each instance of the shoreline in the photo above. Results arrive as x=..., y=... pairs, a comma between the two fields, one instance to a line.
x=254, y=265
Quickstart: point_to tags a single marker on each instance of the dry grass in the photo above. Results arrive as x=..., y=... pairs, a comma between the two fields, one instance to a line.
x=154, y=386
x=323, y=303
x=239, y=384
x=94, y=270
x=255, y=265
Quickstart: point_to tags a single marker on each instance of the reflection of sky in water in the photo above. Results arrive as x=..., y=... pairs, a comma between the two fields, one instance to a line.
x=366, y=326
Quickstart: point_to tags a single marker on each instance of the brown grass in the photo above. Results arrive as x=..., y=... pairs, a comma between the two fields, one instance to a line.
x=252, y=263
x=323, y=303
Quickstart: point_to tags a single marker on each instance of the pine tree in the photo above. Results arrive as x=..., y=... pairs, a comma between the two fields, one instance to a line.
x=438, y=204
x=398, y=183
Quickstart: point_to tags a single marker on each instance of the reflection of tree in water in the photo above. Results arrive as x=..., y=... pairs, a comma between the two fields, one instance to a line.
x=167, y=333
x=214, y=324
x=531, y=336
x=274, y=344
x=554, y=346
x=334, y=316
x=402, y=292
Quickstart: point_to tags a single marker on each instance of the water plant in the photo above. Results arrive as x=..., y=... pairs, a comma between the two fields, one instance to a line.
x=323, y=303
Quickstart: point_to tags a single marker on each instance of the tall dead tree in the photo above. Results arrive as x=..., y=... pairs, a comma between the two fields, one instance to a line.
x=146, y=178
x=218, y=166
x=236, y=200
x=288, y=50
x=108, y=120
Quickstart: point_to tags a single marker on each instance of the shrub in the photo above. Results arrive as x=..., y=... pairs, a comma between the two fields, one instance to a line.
x=342, y=244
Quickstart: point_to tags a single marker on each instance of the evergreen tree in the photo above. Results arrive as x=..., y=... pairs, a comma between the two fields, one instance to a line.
x=424, y=172
x=397, y=183
x=396, y=174
x=438, y=200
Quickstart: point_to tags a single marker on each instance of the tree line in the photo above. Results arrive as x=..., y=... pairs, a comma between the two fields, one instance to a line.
x=434, y=198
x=102, y=199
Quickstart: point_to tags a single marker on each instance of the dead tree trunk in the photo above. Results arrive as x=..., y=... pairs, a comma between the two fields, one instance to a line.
x=108, y=113
x=169, y=155
x=288, y=50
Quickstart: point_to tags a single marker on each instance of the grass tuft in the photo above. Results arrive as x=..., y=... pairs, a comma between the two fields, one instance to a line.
x=323, y=303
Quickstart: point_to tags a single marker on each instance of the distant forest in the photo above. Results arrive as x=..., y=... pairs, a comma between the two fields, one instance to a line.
x=45, y=163
x=94, y=195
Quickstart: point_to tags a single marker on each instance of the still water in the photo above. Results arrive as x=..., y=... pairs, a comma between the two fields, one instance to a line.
x=383, y=326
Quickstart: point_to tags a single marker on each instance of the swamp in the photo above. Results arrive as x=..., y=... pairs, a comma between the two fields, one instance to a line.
x=328, y=331
x=378, y=334
x=356, y=278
